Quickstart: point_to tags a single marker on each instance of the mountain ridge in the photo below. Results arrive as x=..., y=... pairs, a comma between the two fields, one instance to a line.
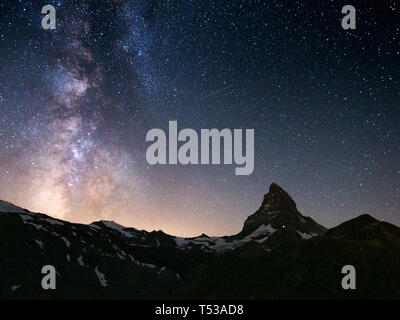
x=274, y=189
x=279, y=254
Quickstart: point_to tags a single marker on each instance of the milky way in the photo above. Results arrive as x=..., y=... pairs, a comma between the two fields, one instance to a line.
x=76, y=103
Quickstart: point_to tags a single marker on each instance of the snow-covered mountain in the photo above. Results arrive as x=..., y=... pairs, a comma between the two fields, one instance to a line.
x=277, y=214
x=277, y=218
x=107, y=260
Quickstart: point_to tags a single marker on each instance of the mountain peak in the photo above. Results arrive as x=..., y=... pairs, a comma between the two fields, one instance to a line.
x=354, y=227
x=279, y=211
x=277, y=199
x=274, y=188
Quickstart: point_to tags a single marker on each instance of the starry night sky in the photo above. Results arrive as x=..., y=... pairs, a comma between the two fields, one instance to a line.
x=76, y=104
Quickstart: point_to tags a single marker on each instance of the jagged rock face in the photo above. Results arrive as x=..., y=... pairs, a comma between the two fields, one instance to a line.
x=279, y=211
x=276, y=225
x=277, y=199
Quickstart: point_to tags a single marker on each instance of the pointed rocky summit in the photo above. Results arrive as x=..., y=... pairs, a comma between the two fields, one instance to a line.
x=279, y=211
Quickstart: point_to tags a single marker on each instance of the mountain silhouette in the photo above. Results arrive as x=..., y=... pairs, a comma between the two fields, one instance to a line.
x=278, y=254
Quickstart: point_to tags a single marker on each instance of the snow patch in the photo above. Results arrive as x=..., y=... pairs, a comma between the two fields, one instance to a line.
x=306, y=236
x=117, y=227
x=80, y=261
x=149, y=265
x=181, y=242
x=28, y=219
x=39, y=243
x=101, y=277
x=218, y=244
x=262, y=239
x=54, y=222
x=120, y=256
x=142, y=264
x=67, y=243
x=7, y=207
x=94, y=226
x=262, y=230
x=161, y=270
